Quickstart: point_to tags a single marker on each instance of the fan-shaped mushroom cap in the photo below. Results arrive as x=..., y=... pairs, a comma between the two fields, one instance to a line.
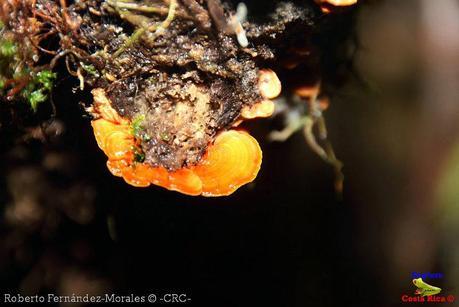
x=269, y=84
x=264, y=108
x=232, y=161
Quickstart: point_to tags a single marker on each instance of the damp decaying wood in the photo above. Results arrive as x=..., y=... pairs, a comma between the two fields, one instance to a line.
x=175, y=68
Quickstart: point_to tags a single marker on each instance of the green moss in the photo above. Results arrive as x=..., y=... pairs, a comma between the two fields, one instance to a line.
x=39, y=88
x=139, y=156
x=165, y=137
x=137, y=128
x=8, y=48
x=38, y=84
x=35, y=98
x=90, y=69
x=46, y=78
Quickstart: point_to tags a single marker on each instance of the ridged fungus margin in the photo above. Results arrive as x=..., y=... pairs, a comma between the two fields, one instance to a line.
x=232, y=160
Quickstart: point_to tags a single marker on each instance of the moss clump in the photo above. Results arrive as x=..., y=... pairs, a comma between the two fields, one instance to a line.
x=17, y=79
x=137, y=125
x=38, y=89
x=8, y=49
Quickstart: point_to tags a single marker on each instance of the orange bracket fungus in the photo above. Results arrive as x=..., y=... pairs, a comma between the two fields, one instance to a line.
x=228, y=158
x=232, y=160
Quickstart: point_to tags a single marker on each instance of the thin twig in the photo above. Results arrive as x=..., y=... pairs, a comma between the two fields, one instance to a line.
x=158, y=30
x=144, y=8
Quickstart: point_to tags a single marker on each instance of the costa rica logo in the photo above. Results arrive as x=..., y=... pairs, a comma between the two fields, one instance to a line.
x=425, y=292
x=424, y=289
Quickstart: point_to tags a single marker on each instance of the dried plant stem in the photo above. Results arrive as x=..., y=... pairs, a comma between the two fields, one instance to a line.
x=158, y=30
x=119, y=4
x=330, y=154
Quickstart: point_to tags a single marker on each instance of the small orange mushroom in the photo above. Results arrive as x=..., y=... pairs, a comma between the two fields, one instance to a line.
x=264, y=108
x=269, y=84
x=233, y=160
x=327, y=5
x=311, y=93
x=337, y=2
x=308, y=91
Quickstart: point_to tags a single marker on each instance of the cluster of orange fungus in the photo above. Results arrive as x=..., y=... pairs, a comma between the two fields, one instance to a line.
x=269, y=86
x=233, y=159
x=326, y=5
